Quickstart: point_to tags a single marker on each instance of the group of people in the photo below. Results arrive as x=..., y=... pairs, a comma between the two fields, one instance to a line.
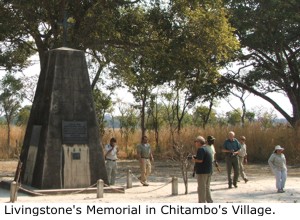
x=235, y=156
x=144, y=156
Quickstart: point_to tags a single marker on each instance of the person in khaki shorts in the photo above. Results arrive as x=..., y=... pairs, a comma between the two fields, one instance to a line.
x=144, y=155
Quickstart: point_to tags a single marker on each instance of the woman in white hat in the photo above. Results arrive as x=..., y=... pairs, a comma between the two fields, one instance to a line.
x=277, y=163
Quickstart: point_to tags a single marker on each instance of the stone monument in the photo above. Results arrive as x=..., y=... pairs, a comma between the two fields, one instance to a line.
x=61, y=146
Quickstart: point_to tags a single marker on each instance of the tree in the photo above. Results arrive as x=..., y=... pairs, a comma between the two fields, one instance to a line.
x=10, y=99
x=135, y=65
x=102, y=105
x=128, y=121
x=57, y=23
x=203, y=115
x=269, y=35
x=14, y=51
x=234, y=117
x=242, y=95
x=266, y=118
x=155, y=118
x=23, y=115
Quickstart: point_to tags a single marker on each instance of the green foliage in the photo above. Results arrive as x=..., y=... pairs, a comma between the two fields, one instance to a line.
x=234, y=117
x=102, y=103
x=200, y=115
x=15, y=45
x=10, y=96
x=266, y=119
x=269, y=35
x=10, y=99
x=23, y=115
x=250, y=116
x=155, y=116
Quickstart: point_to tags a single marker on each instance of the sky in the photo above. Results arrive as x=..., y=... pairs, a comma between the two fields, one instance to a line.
x=253, y=103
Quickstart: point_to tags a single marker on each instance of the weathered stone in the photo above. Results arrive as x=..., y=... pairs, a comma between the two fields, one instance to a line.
x=61, y=147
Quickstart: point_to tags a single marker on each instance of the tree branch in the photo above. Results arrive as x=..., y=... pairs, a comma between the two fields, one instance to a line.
x=263, y=96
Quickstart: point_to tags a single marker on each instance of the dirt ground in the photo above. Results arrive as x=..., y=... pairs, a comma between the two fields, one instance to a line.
x=259, y=189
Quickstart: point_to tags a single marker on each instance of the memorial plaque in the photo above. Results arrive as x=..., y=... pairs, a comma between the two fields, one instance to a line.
x=76, y=156
x=74, y=132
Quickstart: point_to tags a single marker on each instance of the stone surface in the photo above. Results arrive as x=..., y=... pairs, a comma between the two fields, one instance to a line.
x=62, y=147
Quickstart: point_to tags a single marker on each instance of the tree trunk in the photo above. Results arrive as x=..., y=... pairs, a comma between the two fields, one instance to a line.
x=143, y=115
x=8, y=139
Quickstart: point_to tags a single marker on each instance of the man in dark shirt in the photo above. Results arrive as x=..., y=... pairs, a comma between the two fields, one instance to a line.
x=203, y=168
x=231, y=149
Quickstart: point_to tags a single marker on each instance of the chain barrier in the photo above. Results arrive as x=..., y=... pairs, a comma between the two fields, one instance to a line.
x=44, y=194
x=32, y=192
x=159, y=187
x=79, y=191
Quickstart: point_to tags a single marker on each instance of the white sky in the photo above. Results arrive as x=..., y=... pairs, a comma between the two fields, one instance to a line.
x=253, y=103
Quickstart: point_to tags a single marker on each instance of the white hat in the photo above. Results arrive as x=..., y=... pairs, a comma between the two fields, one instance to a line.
x=277, y=147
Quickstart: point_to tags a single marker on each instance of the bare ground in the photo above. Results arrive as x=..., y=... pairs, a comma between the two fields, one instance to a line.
x=259, y=189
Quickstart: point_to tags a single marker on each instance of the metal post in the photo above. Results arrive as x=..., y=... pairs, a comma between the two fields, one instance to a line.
x=13, y=191
x=100, y=188
x=174, y=186
x=129, y=179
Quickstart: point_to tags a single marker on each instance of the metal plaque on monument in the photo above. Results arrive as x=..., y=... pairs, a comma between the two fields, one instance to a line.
x=61, y=146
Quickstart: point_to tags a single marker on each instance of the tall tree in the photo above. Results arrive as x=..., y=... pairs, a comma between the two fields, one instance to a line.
x=14, y=51
x=242, y=95
x=10, y=99
x=269, y=35
x=52, y=24
x=102, y=105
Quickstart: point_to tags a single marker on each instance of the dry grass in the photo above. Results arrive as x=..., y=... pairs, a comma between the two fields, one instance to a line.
x=260, y=142
x=16, y=140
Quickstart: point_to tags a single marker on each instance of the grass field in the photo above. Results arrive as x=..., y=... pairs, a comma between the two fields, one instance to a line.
x=260, y=142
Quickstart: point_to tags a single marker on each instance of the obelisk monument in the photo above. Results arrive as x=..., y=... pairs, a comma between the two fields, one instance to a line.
x=61, y=146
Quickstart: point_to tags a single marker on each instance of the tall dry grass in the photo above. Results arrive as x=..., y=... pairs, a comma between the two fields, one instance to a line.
x=16, y=140
x=260, y=142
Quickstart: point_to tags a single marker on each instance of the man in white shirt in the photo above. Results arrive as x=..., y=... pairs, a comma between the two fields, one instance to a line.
x=110, y=152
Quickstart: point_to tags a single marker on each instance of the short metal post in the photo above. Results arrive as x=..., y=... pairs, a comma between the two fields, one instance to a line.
x=13, y=191
x=100, y=188
x=174, y=185
x=129, y=179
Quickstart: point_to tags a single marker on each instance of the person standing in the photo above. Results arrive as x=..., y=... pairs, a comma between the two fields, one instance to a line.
x=203, y=168
x=145, y=157
x=277, y=162
x=111, y=157
x=231, y=148
x=210, y=144
x=243, y=158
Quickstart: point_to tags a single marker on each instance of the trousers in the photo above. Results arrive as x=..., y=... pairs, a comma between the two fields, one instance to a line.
x=204, y=188
x=232, y=162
